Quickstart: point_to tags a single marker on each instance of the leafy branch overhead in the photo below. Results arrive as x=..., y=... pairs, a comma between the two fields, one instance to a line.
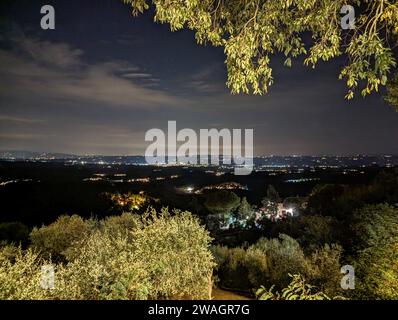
x=252, y=31
x=392, y=92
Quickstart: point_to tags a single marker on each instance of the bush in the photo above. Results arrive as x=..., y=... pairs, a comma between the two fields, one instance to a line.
x=374, y=231
x=324, y=269
x=175, y=250
x=53, y=240
x=103, y=266
x=232, y=268
x=257, y=267
x=266, y=262
x=377, y=272
x=298, y=289
x=284, y=256
x=159, y=255
x=315, y=231
x=270, y=261
x=374, y=225
x=20, y=274
x=311, y=231
x=124, y=224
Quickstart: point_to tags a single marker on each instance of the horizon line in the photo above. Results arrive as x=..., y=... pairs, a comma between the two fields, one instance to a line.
x=208, y=155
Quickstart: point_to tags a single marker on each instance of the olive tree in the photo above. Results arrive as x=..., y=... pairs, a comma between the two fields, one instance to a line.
x=252, y=32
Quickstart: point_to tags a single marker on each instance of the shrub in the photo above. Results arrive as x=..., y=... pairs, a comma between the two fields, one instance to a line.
x=159, y=255
x=315, y=231
x=175, y=250
x=20, y=274
x=53, y=240
x=324, y=269
x=270, y=261
x=257, y=267
x=103, y=266
x=232, y=268
x=377, y=272
x=374, y=225
x=125, y=223
x=284, y=256
x=298, y=289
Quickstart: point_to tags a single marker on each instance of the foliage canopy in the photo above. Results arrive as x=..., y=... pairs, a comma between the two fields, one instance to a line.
x=155, y=256
x=253, y=31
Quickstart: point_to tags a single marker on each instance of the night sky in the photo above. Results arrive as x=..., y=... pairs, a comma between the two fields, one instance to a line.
x=98, y=82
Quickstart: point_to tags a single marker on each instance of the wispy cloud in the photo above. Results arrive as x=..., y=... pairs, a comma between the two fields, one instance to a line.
x=20, y=120
x=137, y=75
x=204, y=81
x=42, y=68
x=55, y=55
